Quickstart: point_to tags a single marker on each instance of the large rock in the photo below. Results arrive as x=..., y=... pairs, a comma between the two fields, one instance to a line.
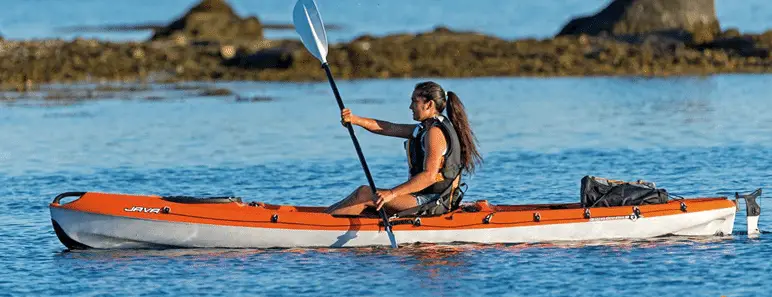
x=211, y=21
x=624, y=17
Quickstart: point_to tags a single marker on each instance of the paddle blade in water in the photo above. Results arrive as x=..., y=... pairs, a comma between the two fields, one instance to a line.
x=309, y=25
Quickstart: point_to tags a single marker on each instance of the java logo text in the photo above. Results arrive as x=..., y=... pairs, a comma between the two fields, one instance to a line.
x=142, y=209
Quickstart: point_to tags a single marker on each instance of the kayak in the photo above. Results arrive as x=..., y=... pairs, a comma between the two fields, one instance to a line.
x=118, y=221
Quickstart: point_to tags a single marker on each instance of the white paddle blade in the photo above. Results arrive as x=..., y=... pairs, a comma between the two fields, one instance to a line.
x=309, y=25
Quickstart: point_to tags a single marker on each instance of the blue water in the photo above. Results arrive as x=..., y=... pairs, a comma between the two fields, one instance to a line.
x=695, y=136
x=22, y=19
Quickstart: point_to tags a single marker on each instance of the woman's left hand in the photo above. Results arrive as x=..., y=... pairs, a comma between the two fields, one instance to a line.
x=382, y=197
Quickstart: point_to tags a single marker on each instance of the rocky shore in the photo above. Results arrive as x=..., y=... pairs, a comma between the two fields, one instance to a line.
x=212, y=42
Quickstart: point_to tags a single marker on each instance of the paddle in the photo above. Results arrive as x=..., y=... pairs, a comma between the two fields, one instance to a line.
x=309, y=25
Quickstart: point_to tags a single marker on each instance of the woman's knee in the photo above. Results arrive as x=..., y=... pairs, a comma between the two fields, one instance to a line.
x=364, y=194
x=363, y=188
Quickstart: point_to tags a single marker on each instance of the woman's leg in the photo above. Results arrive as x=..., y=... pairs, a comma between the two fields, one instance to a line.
x=362, y=198
x=401, y=203
x=354, y=204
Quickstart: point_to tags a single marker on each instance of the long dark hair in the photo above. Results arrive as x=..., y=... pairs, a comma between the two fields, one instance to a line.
x=429, y=90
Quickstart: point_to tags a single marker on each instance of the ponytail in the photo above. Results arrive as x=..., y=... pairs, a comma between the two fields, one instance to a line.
x=470, y=157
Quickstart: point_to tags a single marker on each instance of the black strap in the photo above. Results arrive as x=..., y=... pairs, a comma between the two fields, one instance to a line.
x=457, y=200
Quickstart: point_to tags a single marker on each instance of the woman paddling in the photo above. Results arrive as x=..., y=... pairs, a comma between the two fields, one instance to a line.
x=438, y=149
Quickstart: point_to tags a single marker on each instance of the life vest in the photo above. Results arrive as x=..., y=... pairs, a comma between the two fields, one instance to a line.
x=451, y=159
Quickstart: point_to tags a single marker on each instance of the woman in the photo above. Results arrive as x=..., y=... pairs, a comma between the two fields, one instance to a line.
x=438, y=149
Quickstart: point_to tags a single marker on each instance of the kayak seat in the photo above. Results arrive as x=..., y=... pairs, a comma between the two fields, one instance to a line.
x=201, y=200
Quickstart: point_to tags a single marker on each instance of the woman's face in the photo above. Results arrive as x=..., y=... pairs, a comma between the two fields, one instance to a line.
x=422, y=109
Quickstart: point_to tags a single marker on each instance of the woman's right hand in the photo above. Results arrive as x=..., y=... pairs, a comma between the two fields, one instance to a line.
x=347, y=117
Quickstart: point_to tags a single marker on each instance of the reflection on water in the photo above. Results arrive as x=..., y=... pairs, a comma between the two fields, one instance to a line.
x=421, y=254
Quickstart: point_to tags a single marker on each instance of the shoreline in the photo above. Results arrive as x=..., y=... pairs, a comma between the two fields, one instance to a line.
x=439, y=53
x=212, y=43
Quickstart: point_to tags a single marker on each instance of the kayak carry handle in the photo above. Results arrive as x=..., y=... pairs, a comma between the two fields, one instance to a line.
x=67, y=194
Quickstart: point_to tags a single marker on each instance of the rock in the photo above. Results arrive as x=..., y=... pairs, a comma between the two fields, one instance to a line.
x=253, y=99
x=211, y=21
x=138, y=53
x=735, y=43
x=731, y=33
x=215, y=92
x=213, y=6
x=227, y=52
x=764, y=39
x=761, y=53
x=281, y=58
x=744, y=46
x=622, y=17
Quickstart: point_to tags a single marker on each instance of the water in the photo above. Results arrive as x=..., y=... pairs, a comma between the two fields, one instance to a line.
x=514, y=19
x=695, y=136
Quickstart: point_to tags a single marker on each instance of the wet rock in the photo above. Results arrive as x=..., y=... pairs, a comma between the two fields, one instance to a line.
x=730, y=43
x=211, y=21
x=280, y=58
x=69, y=95
x=731, y=33
x=631, y=17
x=186, y=87
x=743, y=46
x=121, y=88
x=253, y=99
x=261, y=55
x=215, y=92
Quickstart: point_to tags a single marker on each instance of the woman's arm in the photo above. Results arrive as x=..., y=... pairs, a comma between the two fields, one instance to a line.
x=378, y=126
x=434, y=145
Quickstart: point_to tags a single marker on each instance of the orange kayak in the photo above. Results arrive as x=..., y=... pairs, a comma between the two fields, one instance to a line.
x=108, y=221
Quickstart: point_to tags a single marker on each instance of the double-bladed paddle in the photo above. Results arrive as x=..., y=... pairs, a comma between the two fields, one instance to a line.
x=309, y=25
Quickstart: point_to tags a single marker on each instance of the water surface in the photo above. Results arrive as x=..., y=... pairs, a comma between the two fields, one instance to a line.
x=695, y=136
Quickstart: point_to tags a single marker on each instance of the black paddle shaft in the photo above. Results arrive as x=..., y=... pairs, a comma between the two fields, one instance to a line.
x=370, y=181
